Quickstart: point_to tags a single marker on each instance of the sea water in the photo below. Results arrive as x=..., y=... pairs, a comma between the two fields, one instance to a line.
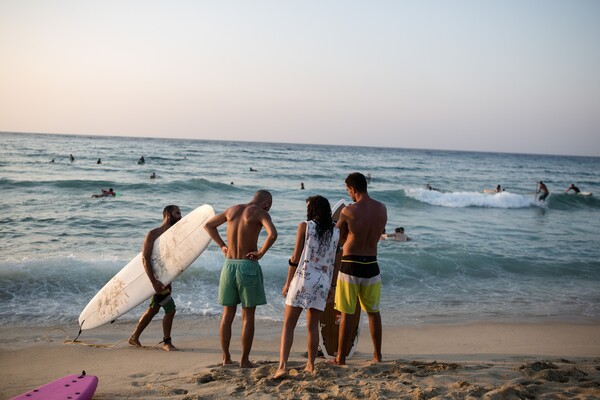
x=473, y=257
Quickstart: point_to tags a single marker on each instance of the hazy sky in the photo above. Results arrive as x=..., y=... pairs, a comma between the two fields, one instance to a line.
x=506, y=76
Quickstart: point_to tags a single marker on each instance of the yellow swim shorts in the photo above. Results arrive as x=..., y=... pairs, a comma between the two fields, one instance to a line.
x=358, y=279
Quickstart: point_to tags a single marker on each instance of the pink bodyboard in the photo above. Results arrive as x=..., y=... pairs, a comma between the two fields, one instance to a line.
x=76, y=387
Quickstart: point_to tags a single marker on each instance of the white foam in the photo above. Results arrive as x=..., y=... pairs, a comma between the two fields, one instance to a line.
x=471, y=199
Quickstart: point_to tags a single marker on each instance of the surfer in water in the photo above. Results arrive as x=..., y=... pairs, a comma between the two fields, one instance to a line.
x=105, y=193
x=360, y=227
x=162, y=298
x=573, y=188
x=543, y=190
x=311, y=273
x=241, y=277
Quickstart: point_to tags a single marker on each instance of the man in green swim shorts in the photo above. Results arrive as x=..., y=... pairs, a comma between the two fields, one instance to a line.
x=241, y=277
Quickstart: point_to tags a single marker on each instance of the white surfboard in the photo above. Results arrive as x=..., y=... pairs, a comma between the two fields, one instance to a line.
x=329, y=325
x=174, y=251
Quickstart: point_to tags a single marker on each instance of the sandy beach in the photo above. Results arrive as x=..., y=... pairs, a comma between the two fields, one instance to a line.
x=479, y=360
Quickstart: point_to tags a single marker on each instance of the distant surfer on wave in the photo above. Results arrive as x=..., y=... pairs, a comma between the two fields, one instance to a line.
x=162, y=298
x=573, y=188
x=543, y=190
x=360, y=227
x=310, y=275
x=241, y=278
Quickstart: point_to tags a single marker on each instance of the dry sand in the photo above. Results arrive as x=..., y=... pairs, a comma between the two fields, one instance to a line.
x=472, y=361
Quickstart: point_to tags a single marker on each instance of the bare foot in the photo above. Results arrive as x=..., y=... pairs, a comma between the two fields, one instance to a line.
x=134, y=342
x=228, y=361
x=310, y=369
x=169, y=347
x=247, y=364
x=335, y=361
x=376, y=359
x=280, y=373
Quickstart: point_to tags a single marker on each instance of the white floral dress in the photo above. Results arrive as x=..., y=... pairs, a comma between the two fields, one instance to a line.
x=310, y=284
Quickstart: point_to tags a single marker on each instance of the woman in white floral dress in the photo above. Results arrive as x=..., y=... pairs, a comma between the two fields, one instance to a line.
x=309, y=278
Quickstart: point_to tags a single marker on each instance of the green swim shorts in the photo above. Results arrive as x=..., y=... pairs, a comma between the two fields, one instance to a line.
x=241, y=282
x=164, y=300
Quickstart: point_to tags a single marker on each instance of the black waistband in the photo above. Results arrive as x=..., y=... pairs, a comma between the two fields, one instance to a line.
x=360, y=266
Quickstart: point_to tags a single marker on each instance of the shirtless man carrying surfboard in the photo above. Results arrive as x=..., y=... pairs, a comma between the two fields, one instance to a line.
x=360, y=227
x=241, y=277
x=162, y=297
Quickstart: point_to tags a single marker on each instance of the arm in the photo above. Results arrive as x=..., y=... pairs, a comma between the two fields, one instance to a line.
x=300, y=235
x=342, y=225
x=336, y=270
x=271, y=237
x=147, y=248
x=211, y=228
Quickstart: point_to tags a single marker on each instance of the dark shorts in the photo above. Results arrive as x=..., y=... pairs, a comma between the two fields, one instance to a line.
x=164, y=300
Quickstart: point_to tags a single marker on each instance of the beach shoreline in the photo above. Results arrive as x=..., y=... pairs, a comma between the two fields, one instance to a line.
x=473, y=359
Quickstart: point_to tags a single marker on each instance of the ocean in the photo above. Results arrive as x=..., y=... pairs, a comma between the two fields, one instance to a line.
x=473, y=257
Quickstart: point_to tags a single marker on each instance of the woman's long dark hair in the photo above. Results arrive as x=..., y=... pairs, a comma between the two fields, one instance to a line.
x=318, y=209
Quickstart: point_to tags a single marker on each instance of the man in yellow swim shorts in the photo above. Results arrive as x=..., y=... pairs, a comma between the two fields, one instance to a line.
x=360, y=224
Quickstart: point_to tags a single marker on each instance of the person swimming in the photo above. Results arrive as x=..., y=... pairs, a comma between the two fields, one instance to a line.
x=105, y=193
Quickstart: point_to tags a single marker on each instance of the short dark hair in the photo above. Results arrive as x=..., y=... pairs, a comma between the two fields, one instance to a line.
x=169, y=209
x=357, y=181
x=400, y=229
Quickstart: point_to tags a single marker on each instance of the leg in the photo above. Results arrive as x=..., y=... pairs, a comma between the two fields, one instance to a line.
x=376, y=335
x=313, y=316
x=225, y=332
x=343, y=338
x=290, y=319
x=167, y=325
x=247, y=336
x=134, y=340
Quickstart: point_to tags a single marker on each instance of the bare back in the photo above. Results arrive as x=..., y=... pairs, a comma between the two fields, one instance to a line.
x=361, y=225
x=244, y=222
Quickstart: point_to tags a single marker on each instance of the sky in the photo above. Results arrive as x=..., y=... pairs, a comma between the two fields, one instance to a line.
x=500, y=76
